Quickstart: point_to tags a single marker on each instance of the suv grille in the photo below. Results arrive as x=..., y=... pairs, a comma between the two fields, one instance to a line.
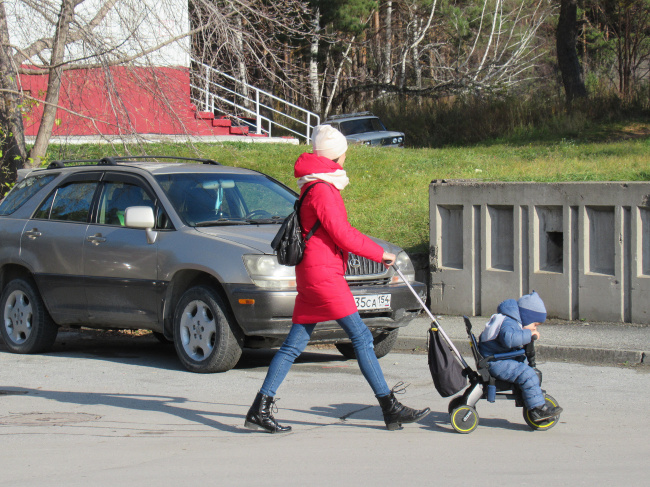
x=364, y=271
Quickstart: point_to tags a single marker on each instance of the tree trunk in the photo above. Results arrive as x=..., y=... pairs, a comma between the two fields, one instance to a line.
x=313, y=63
x=53, y=84
x=388, y=45
x=567, y=54
x=418, y=70
x=625, y=56
x=241, y=65
x=337, y=78
x=377, y=42
x=12, y=133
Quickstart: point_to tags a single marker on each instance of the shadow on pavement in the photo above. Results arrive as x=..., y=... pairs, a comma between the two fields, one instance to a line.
x=171, y=405
x=146, y=351
x=181, y=407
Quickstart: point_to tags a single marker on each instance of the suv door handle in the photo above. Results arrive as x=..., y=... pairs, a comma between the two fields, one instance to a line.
x=96, y=239
x=33, y=233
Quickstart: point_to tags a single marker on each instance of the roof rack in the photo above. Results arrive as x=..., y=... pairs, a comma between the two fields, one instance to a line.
x=113, y=161
x=106, y=161
x=349, y=115
x=196, y=159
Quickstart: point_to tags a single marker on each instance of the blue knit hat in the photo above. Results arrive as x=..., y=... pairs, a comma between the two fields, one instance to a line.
x=531, y=309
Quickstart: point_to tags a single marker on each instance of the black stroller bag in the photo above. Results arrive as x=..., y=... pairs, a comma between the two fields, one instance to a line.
x=446, y=371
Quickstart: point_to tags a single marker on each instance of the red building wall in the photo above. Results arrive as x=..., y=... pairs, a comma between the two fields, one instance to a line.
x=118, y=101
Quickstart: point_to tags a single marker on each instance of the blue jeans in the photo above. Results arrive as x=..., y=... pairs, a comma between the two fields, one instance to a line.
x=297, y=340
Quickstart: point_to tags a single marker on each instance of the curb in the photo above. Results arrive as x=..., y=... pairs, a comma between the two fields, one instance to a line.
x=592, y=355
x=551, y=353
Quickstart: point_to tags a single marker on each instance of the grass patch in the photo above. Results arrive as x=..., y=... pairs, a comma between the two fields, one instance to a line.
x=388, y=193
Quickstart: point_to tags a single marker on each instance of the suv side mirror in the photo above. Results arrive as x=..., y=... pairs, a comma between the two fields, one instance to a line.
x=141, y=217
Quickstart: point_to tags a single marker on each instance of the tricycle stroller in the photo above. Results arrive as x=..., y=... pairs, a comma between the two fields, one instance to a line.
x=450, y=371
x=462, y=409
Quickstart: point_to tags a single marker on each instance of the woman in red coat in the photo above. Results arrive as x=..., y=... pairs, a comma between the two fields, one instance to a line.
x=323, y=292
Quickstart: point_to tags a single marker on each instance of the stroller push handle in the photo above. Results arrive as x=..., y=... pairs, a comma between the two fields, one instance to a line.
x=433, y=319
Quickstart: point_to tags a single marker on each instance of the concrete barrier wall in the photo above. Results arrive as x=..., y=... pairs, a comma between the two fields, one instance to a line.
x=584, y=247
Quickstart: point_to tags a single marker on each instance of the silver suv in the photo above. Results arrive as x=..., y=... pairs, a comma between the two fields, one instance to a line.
x=365, y=128
x=181, y=249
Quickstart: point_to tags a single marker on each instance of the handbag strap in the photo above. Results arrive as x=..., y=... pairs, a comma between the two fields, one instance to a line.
x=297, y=209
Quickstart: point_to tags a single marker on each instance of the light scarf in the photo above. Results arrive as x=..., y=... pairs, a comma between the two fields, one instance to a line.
x=337, y=178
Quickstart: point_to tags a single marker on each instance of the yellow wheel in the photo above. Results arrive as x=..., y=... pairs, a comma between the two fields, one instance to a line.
x=464, y=419
x=546, y=424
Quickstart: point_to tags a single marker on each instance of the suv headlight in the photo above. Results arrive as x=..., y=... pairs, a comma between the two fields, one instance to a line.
x=404, y=264
x=265, y=271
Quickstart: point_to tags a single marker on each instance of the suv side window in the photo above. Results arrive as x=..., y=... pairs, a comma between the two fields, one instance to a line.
x=70, y=202
x=116, y=198
x=23, y=191
x=119, y=192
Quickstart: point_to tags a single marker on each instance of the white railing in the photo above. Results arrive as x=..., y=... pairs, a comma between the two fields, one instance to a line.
x=248, y=102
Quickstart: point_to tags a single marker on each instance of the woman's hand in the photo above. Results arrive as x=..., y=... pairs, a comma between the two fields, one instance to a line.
x=388, y=259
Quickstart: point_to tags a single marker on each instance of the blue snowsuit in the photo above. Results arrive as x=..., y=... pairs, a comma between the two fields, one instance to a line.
x=511, y=336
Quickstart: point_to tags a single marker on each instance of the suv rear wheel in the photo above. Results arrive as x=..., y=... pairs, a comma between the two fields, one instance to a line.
x=26, y=325
x=383, y=343
x=204, y=335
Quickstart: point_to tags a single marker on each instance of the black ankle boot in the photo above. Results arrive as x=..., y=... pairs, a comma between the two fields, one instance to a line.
x=395, y=413
x=544, y=412
x=260, y=416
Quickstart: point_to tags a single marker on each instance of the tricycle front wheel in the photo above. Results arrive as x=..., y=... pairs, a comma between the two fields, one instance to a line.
x=547, y=423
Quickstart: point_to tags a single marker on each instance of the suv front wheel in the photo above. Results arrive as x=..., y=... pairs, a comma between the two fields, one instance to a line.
x=203, y=333
x=26, y=325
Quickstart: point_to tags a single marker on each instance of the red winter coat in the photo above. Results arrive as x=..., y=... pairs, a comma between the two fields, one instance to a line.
x=323, y=293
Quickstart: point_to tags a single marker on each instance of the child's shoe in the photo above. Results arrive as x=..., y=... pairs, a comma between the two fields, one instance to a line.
x=544, y=412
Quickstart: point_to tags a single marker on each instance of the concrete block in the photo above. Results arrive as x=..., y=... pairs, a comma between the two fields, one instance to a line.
x=585, y=247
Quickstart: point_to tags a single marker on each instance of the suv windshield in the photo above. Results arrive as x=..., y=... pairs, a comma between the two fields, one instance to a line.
x=207, y=199
x=361, y=126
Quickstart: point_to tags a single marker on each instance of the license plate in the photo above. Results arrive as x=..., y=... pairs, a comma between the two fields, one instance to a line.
x=372, y=301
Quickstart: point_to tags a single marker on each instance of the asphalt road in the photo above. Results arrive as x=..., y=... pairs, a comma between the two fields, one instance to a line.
x=115, y=411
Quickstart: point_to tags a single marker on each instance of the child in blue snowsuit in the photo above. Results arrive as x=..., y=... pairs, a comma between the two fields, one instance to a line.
x=512, y=328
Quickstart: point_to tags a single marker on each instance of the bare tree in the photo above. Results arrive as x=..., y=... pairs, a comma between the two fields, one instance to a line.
x=493, y=51
x=12, y=138
x=54, y=81
x=625, y=28
x=417, y=28
x=252, y=34
x=65, y=35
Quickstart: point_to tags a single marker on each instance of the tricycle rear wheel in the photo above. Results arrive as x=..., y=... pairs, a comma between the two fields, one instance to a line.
x=464, y=419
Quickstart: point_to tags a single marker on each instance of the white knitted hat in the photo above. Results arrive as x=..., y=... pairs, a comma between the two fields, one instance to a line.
x=328, y=142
